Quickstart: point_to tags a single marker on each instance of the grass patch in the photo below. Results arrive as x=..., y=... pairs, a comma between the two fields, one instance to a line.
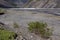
x=6, y=35
x=40, y=28
x=2, y=10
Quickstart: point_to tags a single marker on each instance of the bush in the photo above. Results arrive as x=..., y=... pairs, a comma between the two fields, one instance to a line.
x=40, y=28
x=6, y=35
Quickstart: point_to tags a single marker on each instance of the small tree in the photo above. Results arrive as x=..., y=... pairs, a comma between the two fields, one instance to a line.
x=40, y=28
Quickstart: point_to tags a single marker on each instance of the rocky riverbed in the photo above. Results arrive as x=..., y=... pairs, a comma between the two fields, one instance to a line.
x=23, y=17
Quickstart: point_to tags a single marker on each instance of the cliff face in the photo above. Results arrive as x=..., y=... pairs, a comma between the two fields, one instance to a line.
x=12, y=3
x=28, y=3
x=42, y=4
x=58, y=4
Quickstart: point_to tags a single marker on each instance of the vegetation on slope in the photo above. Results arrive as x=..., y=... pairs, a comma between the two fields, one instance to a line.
x=40, y=28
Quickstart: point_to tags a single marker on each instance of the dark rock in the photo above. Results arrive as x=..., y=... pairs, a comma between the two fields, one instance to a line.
x=2, y=13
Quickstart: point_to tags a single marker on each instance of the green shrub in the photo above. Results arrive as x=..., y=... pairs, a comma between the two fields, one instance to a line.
x=40, y=28
x=6, y=35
